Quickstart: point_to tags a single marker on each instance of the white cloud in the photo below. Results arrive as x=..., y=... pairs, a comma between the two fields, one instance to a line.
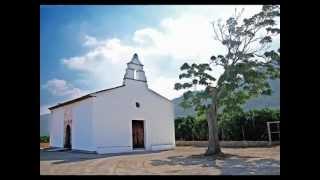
x=58, y=87
x=110, y=51
x=90, y=41
x=187, y=37
x=164, y=86
x=44, y=109
x=147, y=36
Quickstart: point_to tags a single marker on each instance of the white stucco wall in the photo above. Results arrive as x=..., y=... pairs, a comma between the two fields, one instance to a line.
x=162, y=126
x=81, y=127
x=82, y=134
x=56, y=128
x=114, y=111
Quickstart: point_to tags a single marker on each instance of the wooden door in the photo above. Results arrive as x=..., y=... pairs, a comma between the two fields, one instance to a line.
x=137, y=134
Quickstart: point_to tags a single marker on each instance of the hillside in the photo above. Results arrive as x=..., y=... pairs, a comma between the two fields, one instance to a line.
x=44, y=124
x=272, y=101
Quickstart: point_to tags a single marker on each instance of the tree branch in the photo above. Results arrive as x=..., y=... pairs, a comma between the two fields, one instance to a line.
x=216, y=33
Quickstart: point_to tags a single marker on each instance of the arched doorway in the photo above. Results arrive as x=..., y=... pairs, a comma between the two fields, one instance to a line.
x=67, y=142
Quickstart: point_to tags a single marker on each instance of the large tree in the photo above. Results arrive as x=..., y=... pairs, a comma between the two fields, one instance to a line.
x=248, y=64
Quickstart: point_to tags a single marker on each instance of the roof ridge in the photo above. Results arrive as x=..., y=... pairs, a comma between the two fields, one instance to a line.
x=82, y=97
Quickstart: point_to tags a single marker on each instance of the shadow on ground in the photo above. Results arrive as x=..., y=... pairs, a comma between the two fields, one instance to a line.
x=229, y=164
x=61, y=157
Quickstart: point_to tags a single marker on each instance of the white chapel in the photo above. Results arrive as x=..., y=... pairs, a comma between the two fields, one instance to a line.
x=120, y=119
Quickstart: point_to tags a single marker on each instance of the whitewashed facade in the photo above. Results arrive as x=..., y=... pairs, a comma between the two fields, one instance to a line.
x=102, y=122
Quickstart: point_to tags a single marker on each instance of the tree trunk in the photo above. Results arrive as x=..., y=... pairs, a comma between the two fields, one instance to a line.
x=213, y=142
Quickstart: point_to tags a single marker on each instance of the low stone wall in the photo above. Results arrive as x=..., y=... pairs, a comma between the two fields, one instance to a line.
x=226, y=143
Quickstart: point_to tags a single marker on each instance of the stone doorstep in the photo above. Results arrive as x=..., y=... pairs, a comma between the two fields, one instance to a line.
x=138, y=150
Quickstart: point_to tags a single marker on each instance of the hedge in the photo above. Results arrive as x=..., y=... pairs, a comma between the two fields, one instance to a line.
x=44, y=139
x=250, y=126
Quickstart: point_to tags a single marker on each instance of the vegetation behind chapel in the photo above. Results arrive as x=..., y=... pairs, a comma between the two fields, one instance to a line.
x=250, y=125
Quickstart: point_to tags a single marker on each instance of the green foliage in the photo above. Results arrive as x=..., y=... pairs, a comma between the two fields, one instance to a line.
x=44, y=139
x=183, y=127
x=253, y=123
x=190, y=128
x=200, y=128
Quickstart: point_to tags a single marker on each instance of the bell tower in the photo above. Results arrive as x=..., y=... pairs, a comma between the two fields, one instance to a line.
x=134, y=71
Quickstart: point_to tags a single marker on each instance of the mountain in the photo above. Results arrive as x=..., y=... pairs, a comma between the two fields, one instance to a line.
x=264, y=101
x=260, y=102
x=44, y=124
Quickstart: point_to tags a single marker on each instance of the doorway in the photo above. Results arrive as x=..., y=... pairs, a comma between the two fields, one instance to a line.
x=67, y=141
x=137, y=134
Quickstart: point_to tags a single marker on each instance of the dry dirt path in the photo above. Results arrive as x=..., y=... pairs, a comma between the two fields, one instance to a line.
x=183, y=160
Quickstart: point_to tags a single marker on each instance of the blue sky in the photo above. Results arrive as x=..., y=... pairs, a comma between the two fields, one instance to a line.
x=86, y=48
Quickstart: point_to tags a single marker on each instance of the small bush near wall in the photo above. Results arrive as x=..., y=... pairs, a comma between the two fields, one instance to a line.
x=44, y=139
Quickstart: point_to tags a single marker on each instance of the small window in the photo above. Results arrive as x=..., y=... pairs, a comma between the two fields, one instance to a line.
x=137, y=105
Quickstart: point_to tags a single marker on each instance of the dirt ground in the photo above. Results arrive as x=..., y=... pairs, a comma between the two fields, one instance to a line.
x=186, y=160
x=44, y=145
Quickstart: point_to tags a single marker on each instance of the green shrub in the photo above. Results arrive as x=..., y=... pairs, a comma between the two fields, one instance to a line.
x=183, y=128
x=44, y=139
x=251, y=125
